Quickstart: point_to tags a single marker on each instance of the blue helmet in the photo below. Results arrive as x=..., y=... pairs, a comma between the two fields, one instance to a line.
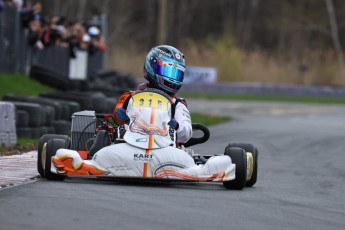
x=164, y=68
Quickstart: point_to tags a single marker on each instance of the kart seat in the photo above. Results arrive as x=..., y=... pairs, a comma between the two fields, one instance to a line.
x=102, y=140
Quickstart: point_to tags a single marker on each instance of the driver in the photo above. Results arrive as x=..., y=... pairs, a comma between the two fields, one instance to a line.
x=164, y=70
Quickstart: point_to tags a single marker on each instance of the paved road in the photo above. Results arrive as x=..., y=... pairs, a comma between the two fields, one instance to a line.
x=300, y=182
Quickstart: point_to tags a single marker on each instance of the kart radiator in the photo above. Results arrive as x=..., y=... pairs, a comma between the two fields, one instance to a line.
x=83, y=129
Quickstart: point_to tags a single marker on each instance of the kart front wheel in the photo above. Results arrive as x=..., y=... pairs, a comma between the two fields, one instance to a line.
x=50, y=149
x=41, y=144
x=239, y=158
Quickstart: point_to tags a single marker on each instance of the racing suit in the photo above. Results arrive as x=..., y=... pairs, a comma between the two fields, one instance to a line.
x=182, y=115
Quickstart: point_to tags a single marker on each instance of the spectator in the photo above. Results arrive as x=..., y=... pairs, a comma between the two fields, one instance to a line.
x=19, y=4
x=30, y=14
x=53, y=32
x=34, y=35
x=1, y=5
x=96, y=42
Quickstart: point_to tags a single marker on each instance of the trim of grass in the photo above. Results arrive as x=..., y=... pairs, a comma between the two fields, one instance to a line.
x=21, y=85
x=23, y=145
x=266, y=98
x=27, y=141
x=209, y=120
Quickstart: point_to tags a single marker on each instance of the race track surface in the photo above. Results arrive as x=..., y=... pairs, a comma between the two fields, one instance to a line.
x=300, y=181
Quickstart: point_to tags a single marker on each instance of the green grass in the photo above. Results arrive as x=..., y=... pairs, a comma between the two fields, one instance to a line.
x=27, y=141
x=209, y=120
x=23, y=145
x=266, y=98
x=21, y=85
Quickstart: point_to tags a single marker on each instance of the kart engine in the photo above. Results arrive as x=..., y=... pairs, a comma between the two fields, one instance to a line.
x=83, y=129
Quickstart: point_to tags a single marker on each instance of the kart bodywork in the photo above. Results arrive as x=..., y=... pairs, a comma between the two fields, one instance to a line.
x=147, y=151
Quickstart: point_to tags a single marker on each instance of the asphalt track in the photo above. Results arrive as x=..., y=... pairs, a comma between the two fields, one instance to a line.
x=300, y=181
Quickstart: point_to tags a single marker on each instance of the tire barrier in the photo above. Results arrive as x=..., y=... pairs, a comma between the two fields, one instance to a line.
x=22, y=118
x=49, y=77
x=36, y=116
x=62, y=127
x=34, y=110
x=83, y=101
x=51, y=113
x=7, y=124
x=24, y=132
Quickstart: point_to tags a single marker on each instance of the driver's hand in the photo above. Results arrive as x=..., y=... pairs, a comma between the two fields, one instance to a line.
x=121, y=114
x=173, y=124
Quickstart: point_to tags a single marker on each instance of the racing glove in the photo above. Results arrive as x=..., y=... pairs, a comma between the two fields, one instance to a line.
x=173, y=124
x=121, y=114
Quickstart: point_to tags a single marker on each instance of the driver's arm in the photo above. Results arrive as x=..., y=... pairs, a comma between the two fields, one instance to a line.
x=182, y=116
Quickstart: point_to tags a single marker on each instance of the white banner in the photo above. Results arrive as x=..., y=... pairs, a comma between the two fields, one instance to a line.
x=78, y=66
x=200, y=74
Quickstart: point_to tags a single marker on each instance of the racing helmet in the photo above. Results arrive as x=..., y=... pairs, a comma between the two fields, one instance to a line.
x=164, y=68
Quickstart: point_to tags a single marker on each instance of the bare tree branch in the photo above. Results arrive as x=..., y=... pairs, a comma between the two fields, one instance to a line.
x=335, y=34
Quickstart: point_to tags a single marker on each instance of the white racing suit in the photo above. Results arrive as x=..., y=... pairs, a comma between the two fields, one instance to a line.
x=182, y=116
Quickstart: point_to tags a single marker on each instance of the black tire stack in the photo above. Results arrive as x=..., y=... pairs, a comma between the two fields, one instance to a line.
x=51, y=112
x=37, y=116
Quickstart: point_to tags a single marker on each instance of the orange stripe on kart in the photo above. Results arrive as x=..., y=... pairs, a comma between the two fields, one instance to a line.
x=152, y=121
x=173, y=173
x=146, y=167
x=64, y=165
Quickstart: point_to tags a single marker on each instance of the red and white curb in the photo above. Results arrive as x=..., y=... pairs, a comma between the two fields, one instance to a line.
x=18, y=169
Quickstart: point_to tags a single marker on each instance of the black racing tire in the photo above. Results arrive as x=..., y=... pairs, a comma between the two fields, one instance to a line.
x=239, y=158
x=35, y=132
x=44, y=130
x=49, y=151
x=50, y=115
x=249, y=148
x=101, y=105
x=83, y=100
x=22, y=118
x=44, y=139
x=62, y=127
x=33, y=109
x=43, y=116
x=49, y=77
x=24, y=132
x=39, y=100
x=51, y=130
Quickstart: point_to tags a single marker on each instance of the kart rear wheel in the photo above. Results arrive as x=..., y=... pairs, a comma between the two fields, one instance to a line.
x=239, y=158
x=44, y=139
x=49, y=150
x=252, y=153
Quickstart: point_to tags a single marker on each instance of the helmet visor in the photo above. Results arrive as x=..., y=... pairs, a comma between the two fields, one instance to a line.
x=169, y=70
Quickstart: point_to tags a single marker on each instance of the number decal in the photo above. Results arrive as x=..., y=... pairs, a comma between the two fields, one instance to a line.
x=152, y=100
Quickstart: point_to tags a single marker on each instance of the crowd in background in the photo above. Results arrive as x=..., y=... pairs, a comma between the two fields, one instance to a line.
x=47, y=31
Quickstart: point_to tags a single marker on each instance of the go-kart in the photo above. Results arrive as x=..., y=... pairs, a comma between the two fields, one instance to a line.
x=144, y=149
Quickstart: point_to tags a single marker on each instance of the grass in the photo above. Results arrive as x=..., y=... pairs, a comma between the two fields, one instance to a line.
x=23, y=145
x=27, y=141
x=209, y=120
x=21, y=85
x=265, y=98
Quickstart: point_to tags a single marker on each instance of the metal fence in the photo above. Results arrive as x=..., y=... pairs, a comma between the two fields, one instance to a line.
x=16, y=56
x=10, y=40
